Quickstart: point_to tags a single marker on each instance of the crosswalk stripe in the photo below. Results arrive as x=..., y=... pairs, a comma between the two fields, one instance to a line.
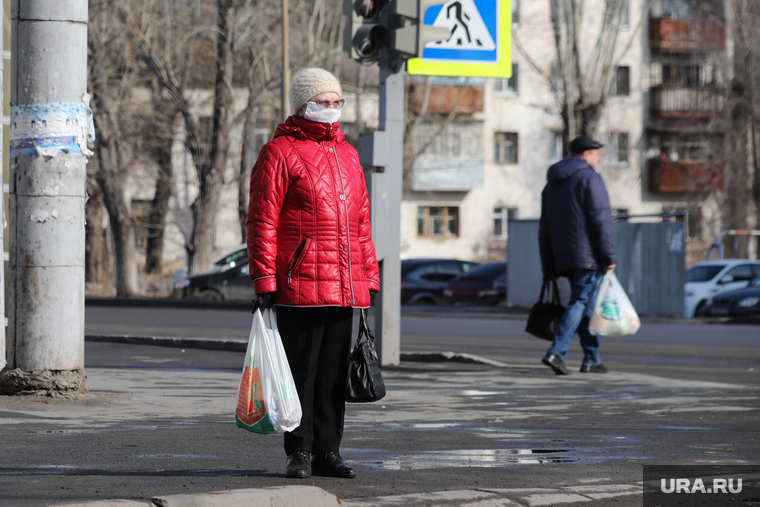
x=503, y=497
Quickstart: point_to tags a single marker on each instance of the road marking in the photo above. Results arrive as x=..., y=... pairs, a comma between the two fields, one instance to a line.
x=505, y=497
x=554, y=499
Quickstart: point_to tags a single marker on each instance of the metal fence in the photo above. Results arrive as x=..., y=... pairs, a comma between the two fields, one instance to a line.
x=650, y=265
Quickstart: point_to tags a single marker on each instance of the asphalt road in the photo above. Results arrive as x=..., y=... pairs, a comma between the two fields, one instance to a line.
x=159, y=421
x=681, y=349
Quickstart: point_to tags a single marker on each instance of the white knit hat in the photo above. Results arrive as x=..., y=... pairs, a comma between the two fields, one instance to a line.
x=308, y=83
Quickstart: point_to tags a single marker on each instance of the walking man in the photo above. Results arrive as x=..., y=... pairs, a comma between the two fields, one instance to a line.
x=576, y=240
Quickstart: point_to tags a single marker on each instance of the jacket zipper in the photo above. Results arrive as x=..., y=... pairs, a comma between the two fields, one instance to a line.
x=298, y=256
x=348, y=229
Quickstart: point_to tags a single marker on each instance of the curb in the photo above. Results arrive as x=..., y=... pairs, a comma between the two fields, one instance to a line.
x=241, y=346
x=278, y=496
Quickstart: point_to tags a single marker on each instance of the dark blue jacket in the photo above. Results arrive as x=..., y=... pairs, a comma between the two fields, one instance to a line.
x=575, y=231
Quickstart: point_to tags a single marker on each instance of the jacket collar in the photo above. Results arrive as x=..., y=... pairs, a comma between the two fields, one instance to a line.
x=295, y=126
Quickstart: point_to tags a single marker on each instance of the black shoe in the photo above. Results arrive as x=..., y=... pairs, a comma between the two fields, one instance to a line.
x=299, y=464
x=556, y=363
x=332, y=465
x=593, y=368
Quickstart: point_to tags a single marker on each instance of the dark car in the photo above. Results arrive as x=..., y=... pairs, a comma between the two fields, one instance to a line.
x=737, y=303
x=483, y=285
x=423, y=280
x=230, y=283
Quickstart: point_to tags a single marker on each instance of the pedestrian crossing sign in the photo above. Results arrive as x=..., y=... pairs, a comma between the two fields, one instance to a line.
x=480, y=42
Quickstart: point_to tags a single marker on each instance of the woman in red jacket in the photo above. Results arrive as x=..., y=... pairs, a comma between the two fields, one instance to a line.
x=311, y=254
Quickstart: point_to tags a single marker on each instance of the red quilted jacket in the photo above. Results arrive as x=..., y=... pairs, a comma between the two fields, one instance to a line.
x=308, y=227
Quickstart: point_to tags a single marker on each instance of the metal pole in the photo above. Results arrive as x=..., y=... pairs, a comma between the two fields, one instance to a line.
x=49, y=133
x=386, y=191
x=285, y=61
x=2, y=209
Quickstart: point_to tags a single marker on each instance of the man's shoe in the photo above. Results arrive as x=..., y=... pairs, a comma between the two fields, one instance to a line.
x=593, y=368
x=299, y=464
x=332, y=465
x=556, y=363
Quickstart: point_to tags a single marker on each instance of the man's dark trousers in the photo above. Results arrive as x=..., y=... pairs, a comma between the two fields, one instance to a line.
x=317, y=341
x=584, y=284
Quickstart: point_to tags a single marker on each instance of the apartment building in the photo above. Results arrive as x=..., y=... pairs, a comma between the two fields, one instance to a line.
x=663, y=126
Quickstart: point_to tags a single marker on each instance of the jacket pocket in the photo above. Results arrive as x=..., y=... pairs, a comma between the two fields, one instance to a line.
x=298, y=256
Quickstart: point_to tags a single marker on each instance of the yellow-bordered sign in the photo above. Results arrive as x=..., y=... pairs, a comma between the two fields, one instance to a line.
x=480, y=43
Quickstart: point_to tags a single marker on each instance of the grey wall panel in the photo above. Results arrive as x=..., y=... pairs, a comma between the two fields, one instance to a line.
x=650, y=260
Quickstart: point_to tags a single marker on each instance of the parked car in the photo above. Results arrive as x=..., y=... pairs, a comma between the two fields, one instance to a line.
x=423, y=280
x=483, y=285
x=737, y=303
x=230, y=259
x=227, y=260
x=230, y=283
x=711, y=278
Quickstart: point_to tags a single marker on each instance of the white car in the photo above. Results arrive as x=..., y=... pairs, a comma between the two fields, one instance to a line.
x=710, y=278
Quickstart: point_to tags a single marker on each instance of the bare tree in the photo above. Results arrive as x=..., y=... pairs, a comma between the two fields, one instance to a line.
x=581, y=76
x=744, y=135
x=111, y=75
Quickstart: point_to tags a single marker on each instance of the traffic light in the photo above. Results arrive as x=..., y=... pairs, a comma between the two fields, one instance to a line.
x=398, y=25
x=413, y=34
x=369, y=32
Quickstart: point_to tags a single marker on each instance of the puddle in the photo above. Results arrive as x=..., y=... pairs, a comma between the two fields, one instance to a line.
x=429, y=426
x=173, y=456
x=483, y=458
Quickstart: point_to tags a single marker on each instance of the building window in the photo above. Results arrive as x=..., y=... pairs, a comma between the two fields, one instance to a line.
x=141, y=217
x=617, y=148
x=688, y=147
x=682, y=75
x=515, y=11
x=505, y=147
x=500, y=218
x=507, y=86
x=438, y=221
x=621, y=83
x=555, y=146
x=675, y=9
x=693, y=217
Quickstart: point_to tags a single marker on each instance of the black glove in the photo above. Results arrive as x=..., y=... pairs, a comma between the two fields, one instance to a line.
x=263, y=301
x=372, y=293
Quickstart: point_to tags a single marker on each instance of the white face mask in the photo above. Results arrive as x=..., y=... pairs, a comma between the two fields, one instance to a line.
x=316, y=113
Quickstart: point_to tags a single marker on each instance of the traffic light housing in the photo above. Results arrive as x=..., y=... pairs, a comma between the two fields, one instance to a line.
x=396, y=25
x=411, y=37
x=369, y=32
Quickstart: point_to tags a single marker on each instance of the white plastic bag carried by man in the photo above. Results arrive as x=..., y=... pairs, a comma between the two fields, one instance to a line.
x=267, y=399
x=614, y=315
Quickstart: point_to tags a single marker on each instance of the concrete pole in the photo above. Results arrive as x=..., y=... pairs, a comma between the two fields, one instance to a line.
x=50, y=127
x=386, y=190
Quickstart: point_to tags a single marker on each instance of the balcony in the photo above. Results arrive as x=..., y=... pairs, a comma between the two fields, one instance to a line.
x=687, y=176
x=677, y=35
x=447, y=175
x=669, y=101
x=443, y=98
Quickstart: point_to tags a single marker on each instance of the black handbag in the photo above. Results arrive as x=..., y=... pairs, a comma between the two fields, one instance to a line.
x=365, y=383
x=545, y=315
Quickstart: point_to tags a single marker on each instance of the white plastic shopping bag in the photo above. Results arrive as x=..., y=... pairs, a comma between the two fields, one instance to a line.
x=614, y=314
x=267, y=399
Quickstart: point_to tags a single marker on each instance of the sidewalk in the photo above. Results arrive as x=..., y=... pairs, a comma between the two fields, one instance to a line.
x=454, y=430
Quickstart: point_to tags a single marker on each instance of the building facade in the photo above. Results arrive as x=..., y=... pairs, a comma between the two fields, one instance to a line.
x=663, y=127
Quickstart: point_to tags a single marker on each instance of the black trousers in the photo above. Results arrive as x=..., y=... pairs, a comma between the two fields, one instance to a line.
x=317, y=341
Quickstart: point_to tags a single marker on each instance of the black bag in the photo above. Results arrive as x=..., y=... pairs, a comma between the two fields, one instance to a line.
x=365, y=383
x=544, y=317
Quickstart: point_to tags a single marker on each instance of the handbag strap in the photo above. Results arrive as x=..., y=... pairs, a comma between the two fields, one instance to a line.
x=555, y=292
x=364, y=325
